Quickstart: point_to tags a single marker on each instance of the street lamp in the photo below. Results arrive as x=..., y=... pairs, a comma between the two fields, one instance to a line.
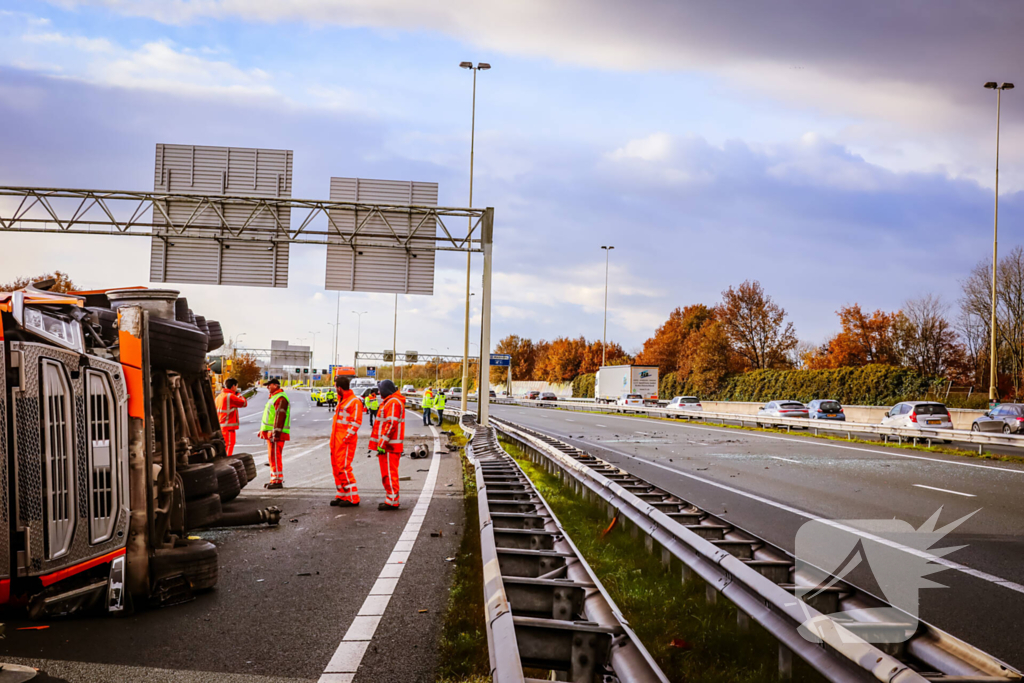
x=312, y=355
x=995, y=240
x=359, y=328
x=481, y=66
x=604, y=338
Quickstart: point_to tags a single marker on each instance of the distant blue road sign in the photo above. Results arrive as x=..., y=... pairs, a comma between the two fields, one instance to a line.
x=316, y=377
x=371, y=371
x=501, y=360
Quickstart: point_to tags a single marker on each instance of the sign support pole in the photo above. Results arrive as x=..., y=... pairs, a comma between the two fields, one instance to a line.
x=484, y=392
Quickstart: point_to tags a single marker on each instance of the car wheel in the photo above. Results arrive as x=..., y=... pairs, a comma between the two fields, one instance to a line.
x=227, y=481
x=975, y=427
x=198, y=480
x=176, y=346
x=243, y=477
x=216, y=335
x=202, y=511
x=1006, y=429
x=196, y=560
x=250, y=464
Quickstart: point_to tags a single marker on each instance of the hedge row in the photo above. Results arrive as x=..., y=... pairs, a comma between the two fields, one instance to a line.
x=875, y=385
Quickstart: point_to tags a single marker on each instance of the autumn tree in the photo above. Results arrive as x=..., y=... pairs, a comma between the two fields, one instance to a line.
x=63, y=282
x=246, y=369
x=863, y=340
x=924, y=339
x=524, y=356
x=756, y=326
x=667, y=345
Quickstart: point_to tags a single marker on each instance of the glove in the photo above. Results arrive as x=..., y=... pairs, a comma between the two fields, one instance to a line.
x=277, y=435
x=380, y=450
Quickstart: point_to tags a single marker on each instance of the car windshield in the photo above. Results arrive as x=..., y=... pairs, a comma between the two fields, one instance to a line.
x=931, y=409
x=689, y=399
x=790, y=406
x=829, y=406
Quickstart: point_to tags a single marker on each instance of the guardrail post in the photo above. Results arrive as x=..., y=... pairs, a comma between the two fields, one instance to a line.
x=785, y=663
x=649, y=544
x=710, y=594
x=666, y=559
x=687, y=574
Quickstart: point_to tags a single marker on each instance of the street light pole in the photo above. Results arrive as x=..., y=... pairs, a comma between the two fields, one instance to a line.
x=993, y=379
x=312, y=354
x=359, y=328
x=604, y=337
x=337, y=331
x=394, y=341
x=481, y=66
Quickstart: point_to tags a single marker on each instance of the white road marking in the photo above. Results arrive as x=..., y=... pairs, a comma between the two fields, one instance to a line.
x=775, y=457
x=949, y=564
x=600, y=426
x=836, y=445
x=349, y=655
x=955, y=493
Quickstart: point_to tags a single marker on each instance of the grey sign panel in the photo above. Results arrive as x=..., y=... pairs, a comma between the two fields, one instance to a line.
x=406, y=265
x=195, y=169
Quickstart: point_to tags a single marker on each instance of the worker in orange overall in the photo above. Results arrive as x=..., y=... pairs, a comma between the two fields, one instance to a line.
x=228, y=402
x=387, y=441
x=276, y=429
x=344, y=436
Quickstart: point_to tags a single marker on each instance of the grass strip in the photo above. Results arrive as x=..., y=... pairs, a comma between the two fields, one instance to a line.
x=462, y=651
x=690, y=639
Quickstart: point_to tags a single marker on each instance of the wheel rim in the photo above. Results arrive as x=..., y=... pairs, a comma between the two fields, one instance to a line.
x=1006, y=429
x=975, y=428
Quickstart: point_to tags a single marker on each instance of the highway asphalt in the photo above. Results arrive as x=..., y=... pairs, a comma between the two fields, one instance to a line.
x=286, y=595
x=771, y=484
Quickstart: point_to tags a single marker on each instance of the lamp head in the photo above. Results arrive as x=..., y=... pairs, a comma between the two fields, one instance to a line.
x=469, y=65
x=991, y=84
x=1006, y=86
x=484, y=66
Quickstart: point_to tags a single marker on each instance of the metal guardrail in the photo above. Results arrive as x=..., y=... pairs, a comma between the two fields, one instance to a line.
x=849, y=428
x=545, y=607
x=763, y=581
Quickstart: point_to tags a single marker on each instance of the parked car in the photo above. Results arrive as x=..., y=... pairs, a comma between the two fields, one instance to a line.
x=408, y=389
x=684, y=403
x=918, y=414
x=1007, y=418
x=825, y=409
x=316, y=395
x=533, y=395
x=782, y=409
x=547, y=396
x=492, y=394
x=630, y=400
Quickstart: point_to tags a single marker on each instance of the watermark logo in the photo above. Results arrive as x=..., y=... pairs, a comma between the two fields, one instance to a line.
x=897, y=556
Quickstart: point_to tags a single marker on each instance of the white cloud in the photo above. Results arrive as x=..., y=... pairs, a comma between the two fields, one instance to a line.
x=78, y=42
x=654, y=147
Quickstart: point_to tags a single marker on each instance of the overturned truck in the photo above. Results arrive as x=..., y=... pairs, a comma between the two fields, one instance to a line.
x=111, y=451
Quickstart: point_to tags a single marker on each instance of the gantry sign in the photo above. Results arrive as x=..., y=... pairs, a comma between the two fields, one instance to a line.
x=223, y=215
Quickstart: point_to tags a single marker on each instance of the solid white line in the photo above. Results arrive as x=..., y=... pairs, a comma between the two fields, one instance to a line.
x=835, y=445
x=955, y=493
x=349, y=655
x=786, y=459
x=984, y=576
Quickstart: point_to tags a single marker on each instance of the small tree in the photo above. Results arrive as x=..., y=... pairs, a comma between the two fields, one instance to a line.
x=756, y=326
x=246, y=370
x=63, y=284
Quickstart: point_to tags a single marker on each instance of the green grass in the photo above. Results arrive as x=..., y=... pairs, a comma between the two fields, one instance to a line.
x=691, y=640
x=944, y=450
x=462, y=651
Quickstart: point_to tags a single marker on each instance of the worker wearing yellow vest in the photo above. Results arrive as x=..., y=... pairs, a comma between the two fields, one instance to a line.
x=439, y=407
x=228, y=402
x=427, y=404
x=372, y=402
x=276, y=429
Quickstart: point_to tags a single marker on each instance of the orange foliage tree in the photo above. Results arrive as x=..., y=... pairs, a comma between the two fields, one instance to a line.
x=863, y=340
x=667, y=347
x=756, y=326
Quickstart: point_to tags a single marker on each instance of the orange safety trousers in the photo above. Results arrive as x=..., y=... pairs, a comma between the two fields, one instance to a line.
x=389, y=475
x=274, y=450
x=230, y=436
x=344, y=477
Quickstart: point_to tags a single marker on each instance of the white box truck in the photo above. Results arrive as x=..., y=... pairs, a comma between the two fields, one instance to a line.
x=615, y=381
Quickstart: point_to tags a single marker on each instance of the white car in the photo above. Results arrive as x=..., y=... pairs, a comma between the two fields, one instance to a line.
x=918, y=415
x=630, y=400
x=408, y=389
x=685, y=403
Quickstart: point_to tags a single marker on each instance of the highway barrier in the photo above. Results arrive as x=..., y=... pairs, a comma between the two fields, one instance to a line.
x=849, y=429
x=545, y=607
x=831, y=625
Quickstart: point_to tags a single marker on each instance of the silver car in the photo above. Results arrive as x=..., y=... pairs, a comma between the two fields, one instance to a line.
x=685, y=403
x=919, y=415
x=1007, y=418
x=825, y=409
x=782, y=409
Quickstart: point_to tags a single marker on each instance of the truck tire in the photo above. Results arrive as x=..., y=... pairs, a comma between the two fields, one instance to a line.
x=227, y=481
x=216, y=334
x=250, y=464
x=181, y=309
x=176, y=346
x=202, y=511
x=196, y=560
x=198, y=480
x=243, y=478
x=201, y=324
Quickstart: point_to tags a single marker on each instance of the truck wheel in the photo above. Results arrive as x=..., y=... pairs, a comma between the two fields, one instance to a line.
x=196, y=560
x=176, y=346
x=201, y=324
x=250, y=464
x=202, y=511
x=227, y=481
x=216, y=335
x=198, y=480
x=243, y=478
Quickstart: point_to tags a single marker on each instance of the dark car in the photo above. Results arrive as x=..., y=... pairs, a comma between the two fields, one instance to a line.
x=547, y=396
x=825, y=409
x=1007, y=418
x=492, y=394
x=533, y=395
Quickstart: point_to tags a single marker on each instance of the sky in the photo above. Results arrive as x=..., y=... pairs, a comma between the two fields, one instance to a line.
x=838, y=153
